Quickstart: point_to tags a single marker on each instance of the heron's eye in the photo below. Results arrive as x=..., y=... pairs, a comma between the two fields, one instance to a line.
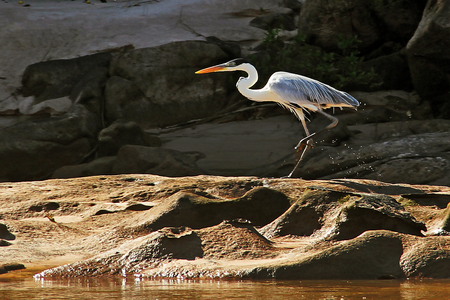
x=231, y=64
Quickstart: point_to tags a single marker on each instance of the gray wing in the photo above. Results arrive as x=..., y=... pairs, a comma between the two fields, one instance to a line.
x=301, y=91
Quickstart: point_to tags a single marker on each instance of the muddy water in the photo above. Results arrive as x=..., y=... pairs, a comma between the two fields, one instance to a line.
x=131, y=288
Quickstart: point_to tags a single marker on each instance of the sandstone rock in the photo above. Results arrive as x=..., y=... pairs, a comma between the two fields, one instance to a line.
x=170, y=244
x=373, y=255
x=435, y=263
x=329, y=214
x=91, y=223
x=375, y=213
x=161, y=86
x=446, y=222
x=429, y=58
x=260, y=206
x=305, y=216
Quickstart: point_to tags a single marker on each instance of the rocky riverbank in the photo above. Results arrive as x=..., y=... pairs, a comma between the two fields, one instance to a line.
x=138, y=107
x=219, y=227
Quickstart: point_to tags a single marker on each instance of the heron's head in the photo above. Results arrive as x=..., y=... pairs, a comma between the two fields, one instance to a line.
x=232, y=65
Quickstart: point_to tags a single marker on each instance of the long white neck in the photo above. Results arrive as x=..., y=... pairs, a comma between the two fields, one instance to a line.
x=244, y=84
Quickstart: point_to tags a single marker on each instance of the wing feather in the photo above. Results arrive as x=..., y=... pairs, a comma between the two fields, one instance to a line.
x=296, y=91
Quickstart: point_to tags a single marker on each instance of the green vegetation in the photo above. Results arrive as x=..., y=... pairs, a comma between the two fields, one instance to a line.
x=344, y=199
x=339, y=69
x=407, y=202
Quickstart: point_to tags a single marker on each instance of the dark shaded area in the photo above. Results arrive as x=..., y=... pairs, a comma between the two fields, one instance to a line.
x=5, y=268
x=438, y=200
x=56, y=78
x=5, y=233
x=375, y=212
x=260, y=206
x=138, y=207
x=388, y=189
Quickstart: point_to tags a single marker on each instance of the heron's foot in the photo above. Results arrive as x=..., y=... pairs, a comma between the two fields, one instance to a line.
x=302, y=144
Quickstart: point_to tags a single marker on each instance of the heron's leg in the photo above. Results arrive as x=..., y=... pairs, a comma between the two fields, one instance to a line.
x=306, y=142
x=334, y=122
x=306, y=146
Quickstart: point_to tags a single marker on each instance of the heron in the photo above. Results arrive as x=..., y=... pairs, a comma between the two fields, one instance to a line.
x=294, y=92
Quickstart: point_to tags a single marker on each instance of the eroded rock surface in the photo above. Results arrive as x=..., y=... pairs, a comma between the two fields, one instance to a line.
x=216, y=227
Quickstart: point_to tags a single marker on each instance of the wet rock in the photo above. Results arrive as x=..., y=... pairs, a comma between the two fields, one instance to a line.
x=429, y=257
x=156, y=87
x=373, y=255
x=153, y=249
x=228, y=240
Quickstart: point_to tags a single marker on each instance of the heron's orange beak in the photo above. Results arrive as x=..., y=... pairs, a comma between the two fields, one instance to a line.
x=211, y=69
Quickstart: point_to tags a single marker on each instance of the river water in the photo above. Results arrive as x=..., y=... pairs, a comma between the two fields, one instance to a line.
x=131, y=288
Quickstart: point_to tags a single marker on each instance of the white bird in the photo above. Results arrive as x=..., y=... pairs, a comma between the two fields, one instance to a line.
x=292, y=91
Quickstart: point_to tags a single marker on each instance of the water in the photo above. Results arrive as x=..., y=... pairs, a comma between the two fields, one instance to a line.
x=131, y=288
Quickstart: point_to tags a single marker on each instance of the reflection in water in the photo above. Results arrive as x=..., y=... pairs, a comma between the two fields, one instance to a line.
x=136, y=288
